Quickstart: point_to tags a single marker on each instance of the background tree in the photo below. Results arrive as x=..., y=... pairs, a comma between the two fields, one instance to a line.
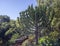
x=4, y=18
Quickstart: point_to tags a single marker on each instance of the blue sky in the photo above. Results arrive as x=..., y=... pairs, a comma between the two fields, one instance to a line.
x=13, y=7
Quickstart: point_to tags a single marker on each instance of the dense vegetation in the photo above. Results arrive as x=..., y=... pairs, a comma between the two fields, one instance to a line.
x=41, y=22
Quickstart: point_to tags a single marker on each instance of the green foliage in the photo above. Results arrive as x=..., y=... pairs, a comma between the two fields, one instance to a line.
x=46, y=41
x=9, y=31
x=12, y=23
x=51, y=40
x=54, y=35
x=14, y=37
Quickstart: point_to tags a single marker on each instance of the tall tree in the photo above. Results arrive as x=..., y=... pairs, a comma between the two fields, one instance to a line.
x=33, y=19
x=41, y=16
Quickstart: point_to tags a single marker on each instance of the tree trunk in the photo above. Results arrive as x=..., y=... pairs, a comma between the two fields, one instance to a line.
x=36, y=28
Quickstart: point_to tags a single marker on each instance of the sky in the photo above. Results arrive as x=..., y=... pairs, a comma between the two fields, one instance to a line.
x=13, y=7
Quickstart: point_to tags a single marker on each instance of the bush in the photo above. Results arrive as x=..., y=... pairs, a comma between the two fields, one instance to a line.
x=47, y=41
